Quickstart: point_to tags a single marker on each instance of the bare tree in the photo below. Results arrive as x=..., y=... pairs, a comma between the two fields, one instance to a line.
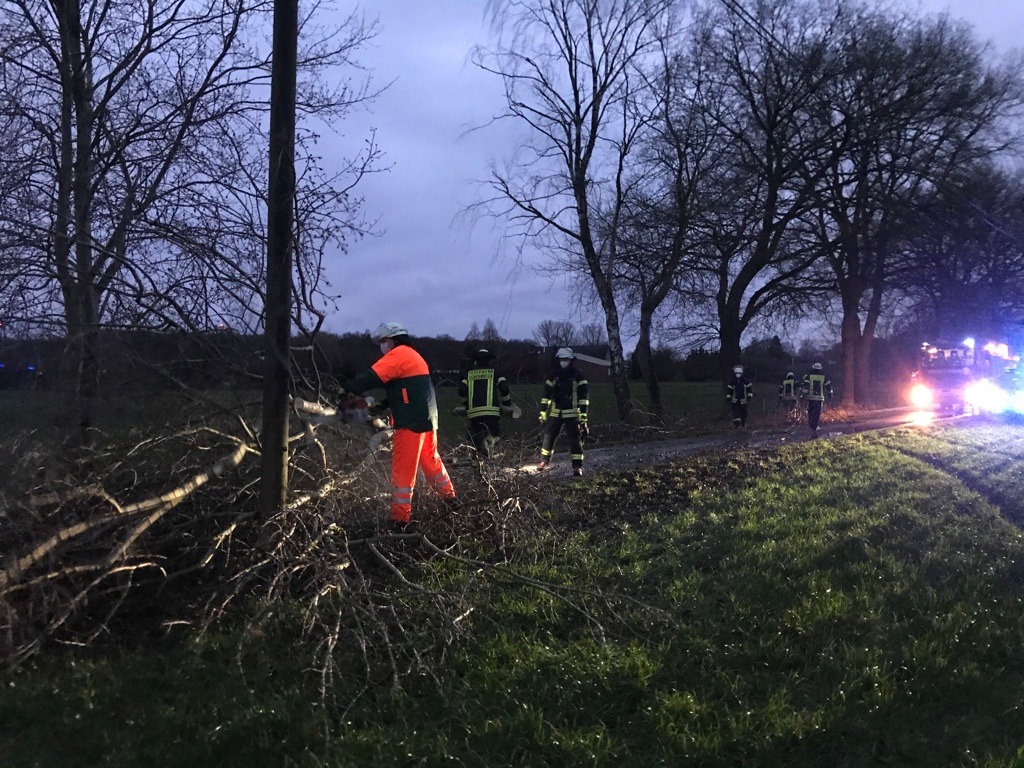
x=490, y=334
x=592, y=334
x=919, y=103
x=963, y=265
x=555, y=333
x=143, y=199
x=770, y=62
x=674, y=174
x=570, y=70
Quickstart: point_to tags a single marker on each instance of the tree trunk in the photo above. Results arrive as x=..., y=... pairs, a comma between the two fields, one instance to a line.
x=730, y=335
x=865, y=393
x=619, y=372
x=82, y=312
x=280, y=202
x=645, y=359
x=850, y=339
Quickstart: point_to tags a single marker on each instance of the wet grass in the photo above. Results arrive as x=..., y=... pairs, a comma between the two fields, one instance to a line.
x=853, y=602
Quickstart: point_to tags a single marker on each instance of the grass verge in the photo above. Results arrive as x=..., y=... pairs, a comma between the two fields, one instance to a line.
x=840, y=603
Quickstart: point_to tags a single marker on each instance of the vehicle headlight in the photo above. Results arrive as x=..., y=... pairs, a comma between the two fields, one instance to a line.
x=921, y=396
x=1016, y=401
x=983, y=395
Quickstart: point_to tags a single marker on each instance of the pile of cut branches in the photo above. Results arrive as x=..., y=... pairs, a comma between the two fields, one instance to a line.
x=156, y=532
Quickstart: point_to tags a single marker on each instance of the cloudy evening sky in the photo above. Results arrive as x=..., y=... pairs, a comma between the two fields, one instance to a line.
x=431, y=268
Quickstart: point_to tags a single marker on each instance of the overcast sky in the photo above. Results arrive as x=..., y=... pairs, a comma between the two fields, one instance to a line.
x=431, y=268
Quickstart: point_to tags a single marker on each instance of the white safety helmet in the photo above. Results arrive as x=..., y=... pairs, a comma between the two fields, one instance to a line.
x=790, y=375
x=737, y=369
x=388, y=331
x=816, y=367
x=565, y=353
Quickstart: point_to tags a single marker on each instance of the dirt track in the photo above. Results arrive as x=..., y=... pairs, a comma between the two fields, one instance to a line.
x=635, y=455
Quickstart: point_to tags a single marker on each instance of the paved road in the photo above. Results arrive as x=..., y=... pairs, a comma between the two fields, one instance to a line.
x=632, y=456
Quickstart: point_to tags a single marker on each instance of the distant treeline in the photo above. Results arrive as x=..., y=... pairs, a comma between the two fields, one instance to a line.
x=147, y=360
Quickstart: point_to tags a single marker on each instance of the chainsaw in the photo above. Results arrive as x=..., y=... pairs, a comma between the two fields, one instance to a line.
x=352, y=409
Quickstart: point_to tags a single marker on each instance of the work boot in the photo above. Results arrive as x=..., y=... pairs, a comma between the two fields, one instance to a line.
x=542, y=464
x=577, y=471
x=402, y=526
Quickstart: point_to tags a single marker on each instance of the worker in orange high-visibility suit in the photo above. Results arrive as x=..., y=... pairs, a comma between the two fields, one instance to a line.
x=405, y=378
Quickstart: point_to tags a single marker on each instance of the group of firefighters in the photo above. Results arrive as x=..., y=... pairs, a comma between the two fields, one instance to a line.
x=485, y=397
x=814, y=389
x=404, y=376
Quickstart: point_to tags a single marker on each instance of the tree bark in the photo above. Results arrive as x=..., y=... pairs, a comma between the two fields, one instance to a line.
x=645, y=359
x=280, y=205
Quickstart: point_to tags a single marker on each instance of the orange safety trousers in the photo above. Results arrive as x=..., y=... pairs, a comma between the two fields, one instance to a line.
x=411, y=451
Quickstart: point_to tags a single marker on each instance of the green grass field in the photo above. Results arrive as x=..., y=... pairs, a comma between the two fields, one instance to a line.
x=852, y=602
x=690, y=408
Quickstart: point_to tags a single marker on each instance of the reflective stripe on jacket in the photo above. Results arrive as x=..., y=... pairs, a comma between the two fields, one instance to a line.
x=787, y=390
x=566, y=393
x=483, y=392
x=739, y=391
x=405, y=378
x=816, y=386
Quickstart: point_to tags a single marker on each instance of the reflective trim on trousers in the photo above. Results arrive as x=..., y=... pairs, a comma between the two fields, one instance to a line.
x=412, y=451
x=441, y=483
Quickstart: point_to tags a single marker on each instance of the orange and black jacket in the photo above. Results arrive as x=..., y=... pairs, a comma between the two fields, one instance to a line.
x=405, y=378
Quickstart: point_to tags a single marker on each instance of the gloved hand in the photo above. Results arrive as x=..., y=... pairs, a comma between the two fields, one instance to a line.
x=584, y=430
x=543, y=416
x=459, y=410
x=354, y=402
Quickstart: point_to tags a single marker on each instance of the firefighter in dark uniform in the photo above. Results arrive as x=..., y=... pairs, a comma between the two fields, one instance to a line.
x=816, y=387
x=738, y=393
x=789, y=394
x=485, y=395
x=564, y=404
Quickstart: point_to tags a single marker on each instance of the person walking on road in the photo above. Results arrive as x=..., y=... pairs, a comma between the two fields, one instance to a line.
x=564, y=404
x=738, y=393
x=816, y=387
x=485, y=396
x=789, y=395
x=405, y=378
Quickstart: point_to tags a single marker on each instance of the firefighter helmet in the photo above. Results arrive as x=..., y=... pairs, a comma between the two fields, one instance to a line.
x=816, y=367
x=388, y=331
x=790, y=375
x=737, y=369
x=565, y=353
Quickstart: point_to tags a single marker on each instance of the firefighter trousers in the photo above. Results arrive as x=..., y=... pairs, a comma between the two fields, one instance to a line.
x=739, y=414
x=412, y=451
x=552, y=427
x=484, y=432
x=813, y=414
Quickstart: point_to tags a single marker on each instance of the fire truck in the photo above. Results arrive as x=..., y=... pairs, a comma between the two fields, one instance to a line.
x=960, y=377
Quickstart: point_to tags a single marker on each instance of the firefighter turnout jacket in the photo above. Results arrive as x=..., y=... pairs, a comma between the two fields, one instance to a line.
x=816, y=386
x=566, y=394
x=787, y=389
x=739, y=390
x=405, y=378
x=484, y=392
